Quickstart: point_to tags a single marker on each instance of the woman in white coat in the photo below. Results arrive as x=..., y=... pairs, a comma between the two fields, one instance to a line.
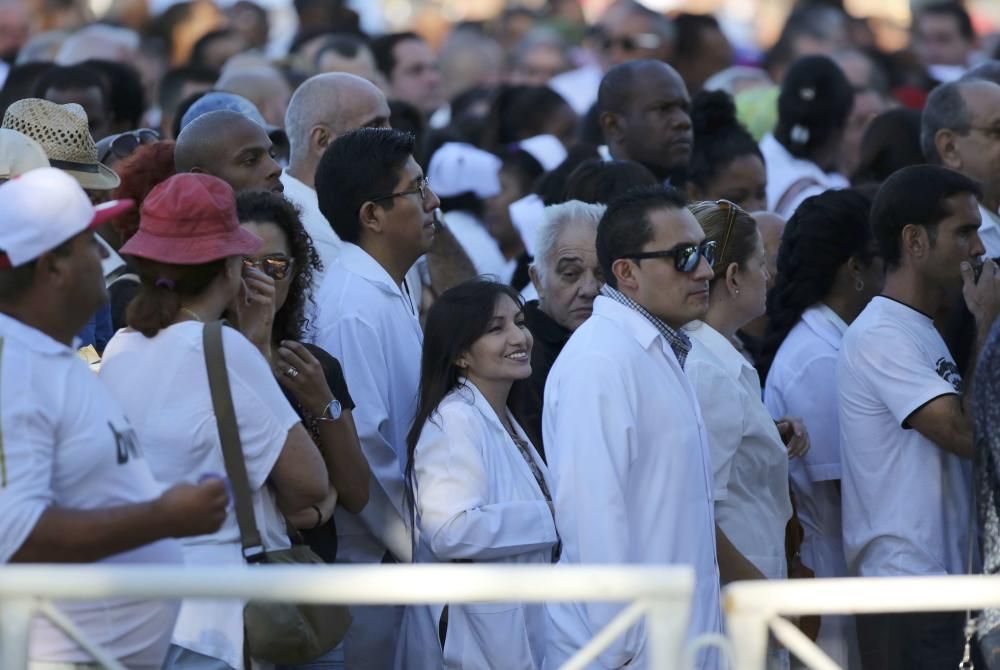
x=478, y=488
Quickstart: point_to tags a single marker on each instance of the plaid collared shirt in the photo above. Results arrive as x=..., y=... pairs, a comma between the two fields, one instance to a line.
x=677, y=339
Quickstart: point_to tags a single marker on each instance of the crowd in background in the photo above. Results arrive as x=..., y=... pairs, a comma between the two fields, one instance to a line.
x=549, y=291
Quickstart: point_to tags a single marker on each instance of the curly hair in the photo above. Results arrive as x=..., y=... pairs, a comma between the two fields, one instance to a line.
x=146, y=167
x=290, y=323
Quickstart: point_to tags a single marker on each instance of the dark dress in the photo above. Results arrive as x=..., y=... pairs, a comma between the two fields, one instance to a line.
x=323, y=540
x=527, y=395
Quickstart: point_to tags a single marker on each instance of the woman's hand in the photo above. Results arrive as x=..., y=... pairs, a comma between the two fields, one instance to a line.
x=254, y=310
x=307, y=383
x=794, y=434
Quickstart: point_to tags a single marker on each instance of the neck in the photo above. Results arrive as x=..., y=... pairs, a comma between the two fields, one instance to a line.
x=845, y=305
x=395, y=266
x=51, y=322
x=619, y=153
x=723, y=317
x=496, y=394
x=211, y=305
x=911, y=289
x=304, y=171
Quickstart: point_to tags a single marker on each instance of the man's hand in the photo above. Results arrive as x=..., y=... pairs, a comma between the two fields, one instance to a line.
x=982, y=297
x=193, y=509
x=794, y=434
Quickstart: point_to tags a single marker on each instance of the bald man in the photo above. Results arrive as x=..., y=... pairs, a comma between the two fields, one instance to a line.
x=264, y=86
x=231, y=147
x=643, y=108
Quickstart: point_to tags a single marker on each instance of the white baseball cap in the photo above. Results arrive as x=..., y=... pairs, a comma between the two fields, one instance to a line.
x=457, y=168
x=42, y=209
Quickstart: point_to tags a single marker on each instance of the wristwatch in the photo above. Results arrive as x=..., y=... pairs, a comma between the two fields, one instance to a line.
x=332, y=411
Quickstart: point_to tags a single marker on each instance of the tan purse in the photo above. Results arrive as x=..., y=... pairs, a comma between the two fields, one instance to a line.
x=282, y=633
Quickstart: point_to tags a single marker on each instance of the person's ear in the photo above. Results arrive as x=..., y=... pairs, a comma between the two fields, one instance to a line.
x=625, y=275
x=372, y=217
x=732, y=278
x=320, y=138
x=51, y=269
x=536, y=281
x=946, y=143
x=915, y=241
x=612, y=127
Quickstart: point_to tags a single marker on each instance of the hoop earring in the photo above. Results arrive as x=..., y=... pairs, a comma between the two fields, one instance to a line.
x=859, y=285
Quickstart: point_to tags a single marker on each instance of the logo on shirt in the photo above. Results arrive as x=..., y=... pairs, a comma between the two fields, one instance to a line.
x=126, y=443
x=948, y=371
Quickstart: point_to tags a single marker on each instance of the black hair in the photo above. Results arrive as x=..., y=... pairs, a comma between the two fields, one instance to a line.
x=358, y=166
x=890, y=142
x=64, y=77
x=517, y=113
x=164, y=25
x=689, y=27
x=459, y=317
x=956, y=11
x=346, y=45
x=20, y=83
x=551, y=186
x=625, y=226
x=809, y=19
x=290, y=322
x=406, y=117
x=126, y=94
x=590, y=127
x=600, y=181
x=199, y=52
x=173, y=82
x=914, y=195
x=384, y=50
x=813, y=106
x=719, y=139
x=824, y=233
x=158, y=302
x=182, y=109
x=522, y=166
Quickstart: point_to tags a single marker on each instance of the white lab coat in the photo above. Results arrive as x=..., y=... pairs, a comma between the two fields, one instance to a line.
x=631, y=478
x=791, y=180
x=476, y=500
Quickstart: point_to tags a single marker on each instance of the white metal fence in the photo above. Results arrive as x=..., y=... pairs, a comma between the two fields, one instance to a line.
x=661, y=594
x=751, y=608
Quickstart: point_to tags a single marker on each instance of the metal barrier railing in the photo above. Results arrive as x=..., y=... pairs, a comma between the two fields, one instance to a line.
x=752, y=608
x=661, y=594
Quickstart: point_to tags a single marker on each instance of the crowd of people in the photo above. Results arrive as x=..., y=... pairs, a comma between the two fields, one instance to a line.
x=546, y=292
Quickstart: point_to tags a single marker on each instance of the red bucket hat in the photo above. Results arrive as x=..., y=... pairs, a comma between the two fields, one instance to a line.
x=190, y=219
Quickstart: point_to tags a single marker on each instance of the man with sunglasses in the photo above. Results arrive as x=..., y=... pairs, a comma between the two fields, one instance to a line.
x=627, y=450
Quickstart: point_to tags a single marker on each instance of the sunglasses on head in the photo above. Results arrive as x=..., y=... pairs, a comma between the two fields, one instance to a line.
x=122, y=146
x=275, y=266
x=631, y=43
x=686, y=256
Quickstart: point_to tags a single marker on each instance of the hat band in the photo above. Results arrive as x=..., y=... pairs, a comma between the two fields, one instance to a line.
x=73, y=165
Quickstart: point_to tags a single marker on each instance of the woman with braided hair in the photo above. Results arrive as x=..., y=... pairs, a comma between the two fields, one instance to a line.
x=828, y=270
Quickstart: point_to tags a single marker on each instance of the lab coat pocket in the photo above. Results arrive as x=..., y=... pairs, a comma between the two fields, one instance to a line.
x=487, y=636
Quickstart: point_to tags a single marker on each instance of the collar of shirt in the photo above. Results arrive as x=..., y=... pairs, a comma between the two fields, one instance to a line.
x=678, y=340
x=360, y=262
x=831, y=317
x=296, y=189
x=732, y=360
x=543, y=327
x=32, y=338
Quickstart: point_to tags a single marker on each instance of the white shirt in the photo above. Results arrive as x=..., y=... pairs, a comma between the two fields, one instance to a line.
x=320, y=231
x=631, y=479
x=749, y=460
x=370, y=325
x=905, y=500
x=482, y=248
x=579, y=87
x=65, y=442
x=989, y=232
x=802, y=382
x=785, y=172
x=477, y=499
x=175, y=421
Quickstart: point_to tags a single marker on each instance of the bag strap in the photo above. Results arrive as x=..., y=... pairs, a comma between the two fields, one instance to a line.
x=229, y=436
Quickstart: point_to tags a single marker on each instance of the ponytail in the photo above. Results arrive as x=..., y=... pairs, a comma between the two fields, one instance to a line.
x=158, y=301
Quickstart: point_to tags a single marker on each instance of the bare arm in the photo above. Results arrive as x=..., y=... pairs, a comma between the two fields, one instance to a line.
x=733, y=566
x=83, y=536
x=299, y=475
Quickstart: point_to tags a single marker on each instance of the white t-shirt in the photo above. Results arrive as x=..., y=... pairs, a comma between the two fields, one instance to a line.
x=65, y=442
x=791, y=180
x=905, y=500
x=749, y=460
x=163, y=384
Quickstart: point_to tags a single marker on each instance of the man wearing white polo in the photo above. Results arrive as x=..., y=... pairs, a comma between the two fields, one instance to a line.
x=74, y=486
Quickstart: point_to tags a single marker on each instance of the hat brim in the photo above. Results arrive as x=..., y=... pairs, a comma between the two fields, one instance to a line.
x=104, y=179
x=191, y=250
x=106, y=211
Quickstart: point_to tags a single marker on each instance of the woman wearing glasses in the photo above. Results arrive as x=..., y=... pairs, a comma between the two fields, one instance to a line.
x=312, y=379
x=749, y=458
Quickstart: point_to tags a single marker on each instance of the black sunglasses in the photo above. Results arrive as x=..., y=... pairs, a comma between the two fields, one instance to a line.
x=275, y=266
x=124, y=144
x=686, y=257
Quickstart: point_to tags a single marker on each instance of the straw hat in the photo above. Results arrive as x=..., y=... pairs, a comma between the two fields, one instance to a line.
x=19, y=154
x=64, y=135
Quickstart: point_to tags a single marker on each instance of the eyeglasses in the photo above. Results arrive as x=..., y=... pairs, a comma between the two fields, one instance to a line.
x=631, y=43
x=686, y=257
x=275, y=266
x=423, y=187
x=124, y=144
